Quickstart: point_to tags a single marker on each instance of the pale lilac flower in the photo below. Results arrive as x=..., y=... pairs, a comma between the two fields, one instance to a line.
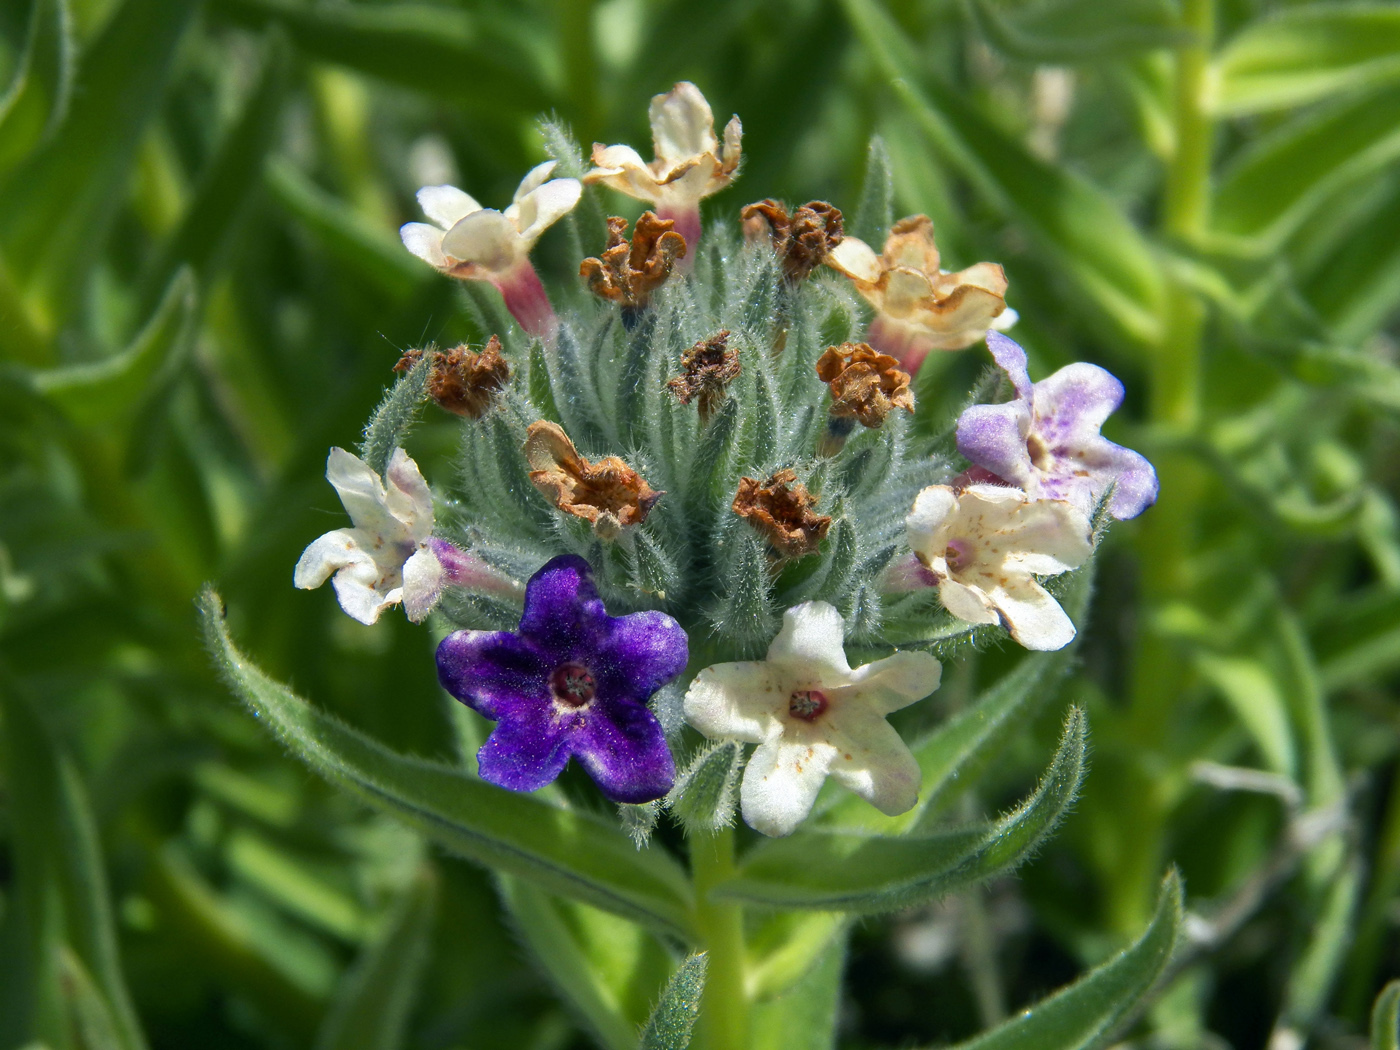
x=571, y=681
x=390, y=554
x=813, y=716
x=481, y=244
x=982, y=548
x=1047, y=439
x=691, y=163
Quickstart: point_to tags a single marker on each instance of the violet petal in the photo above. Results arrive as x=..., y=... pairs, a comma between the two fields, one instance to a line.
x=623, y=748
x=526, y=754
x=496, y=673
x=563, y=614
x=641, y=653
x=1073, y=403
x=1011, y=359
x=994, y=438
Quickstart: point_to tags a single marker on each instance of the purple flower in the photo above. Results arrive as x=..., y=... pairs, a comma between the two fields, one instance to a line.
x=1047, y=440
x=571, y=681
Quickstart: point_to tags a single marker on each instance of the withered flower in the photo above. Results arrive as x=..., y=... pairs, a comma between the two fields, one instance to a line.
x=780, y=510
x=864, y=383
x=462, y=380
x=629, y=272
x=709, y=366
x=801, y=240
x=609, y=493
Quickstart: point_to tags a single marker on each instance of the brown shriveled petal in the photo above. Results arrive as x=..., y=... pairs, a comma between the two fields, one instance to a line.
x=864, y=383
x=801, y=240
x=708, y=368
x=609, y=493
x=628, y=273
x=462, y=380
x=780, y=509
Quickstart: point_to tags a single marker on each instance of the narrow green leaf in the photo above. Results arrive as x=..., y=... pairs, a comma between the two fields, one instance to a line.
x=1084, y=1014
x=703, y=797
x=372, y=1004
x=1385, y=1019
x=1074, y=31
x=88, y=1011
x=1301, y=54
x=1274, y=185
x=1313, y=974
x=1101, y=252
x=575, y=854
x=830, y=871
x=397, y=413
x=118, y=386
x=674, y=1018
x=37, y=99
x=875, y=214
x=1258, y=703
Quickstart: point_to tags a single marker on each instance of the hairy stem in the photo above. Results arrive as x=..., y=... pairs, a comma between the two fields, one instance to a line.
x=724, y=1012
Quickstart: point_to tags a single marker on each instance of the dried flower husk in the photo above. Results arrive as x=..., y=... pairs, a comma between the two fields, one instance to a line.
x=708, y=368
x=801, y=239
x=609, y=494
x=462, y=380
x=780, y=510
x=629, y=271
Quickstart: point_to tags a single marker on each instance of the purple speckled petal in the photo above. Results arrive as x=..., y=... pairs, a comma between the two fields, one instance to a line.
x=495, y=673
x=1136, y=479
x=642, y=653
x=526, y=754
x=1011, y=359
x=1072, y=404
x=994, y=437
x=563, y=614
x=623, y=748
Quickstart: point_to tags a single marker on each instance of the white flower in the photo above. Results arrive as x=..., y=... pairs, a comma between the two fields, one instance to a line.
x=813, y=716
x=983, y=548
x=690, y=162
x=478, y=243
x=387, y=557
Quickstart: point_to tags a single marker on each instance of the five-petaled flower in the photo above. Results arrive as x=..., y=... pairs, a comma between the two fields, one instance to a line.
x=572, y=681
x=691, y=163
x=482, y=244
x=919, y=307
x=982, y=548
x=390, y=555
x=813, y=716
x=1047, y=439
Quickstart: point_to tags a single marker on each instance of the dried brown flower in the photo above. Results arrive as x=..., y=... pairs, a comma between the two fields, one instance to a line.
x=628, y=273
x=462, y=380
x=801, y=240
x=780, y=509
x=864, y=383
x=709, y=366
x=609, y=493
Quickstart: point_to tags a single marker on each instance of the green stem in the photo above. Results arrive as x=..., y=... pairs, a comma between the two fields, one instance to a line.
x=724, y=1012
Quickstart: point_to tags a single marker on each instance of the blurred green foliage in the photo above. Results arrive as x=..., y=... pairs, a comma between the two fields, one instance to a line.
x=201, y=290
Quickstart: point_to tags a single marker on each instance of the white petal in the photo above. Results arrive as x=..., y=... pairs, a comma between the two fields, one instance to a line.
x=781, y=782
x=446, y=205
x=966, y=603
x=545, y=206
x=682, y=125
x=533, y=180
x=609, y=160
x=873, y=761
x=736, y=701
x=425, y=242
x=423, y=580
x=325, y=555
x=1005, y=320
x=924, y=524
x=856, y=259
x=362, y=493
x=732, y=150
x=486, y=238
x=896, y=681
x=1051, y=537
x=1033, y=617
x=408, y=497
x=356, y=591
x=810, y=646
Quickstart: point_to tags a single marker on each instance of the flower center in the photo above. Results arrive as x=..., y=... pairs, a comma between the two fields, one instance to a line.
x=958, y=555
x=807, y=704
x=1039, y=451
x=572, y=685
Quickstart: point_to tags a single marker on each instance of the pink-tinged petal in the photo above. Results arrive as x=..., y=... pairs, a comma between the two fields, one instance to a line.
x=682, y=124
x=328, y=554
x=736, y=701
x=446, y=205
x=407, y=495
x=810, y=645
x=1032, y=616
x=1073, y=403
x=525, y=755
x=641, y=653
x=533, y=180
x=873, y=761
x=487, y=239
x=469, y=572
x=423, y=580
x=969, y=604
x=896, y=681
x=542, y=207
x=625, y=753
x=686, y=216
x=498, y=674
x=1011, y=359
x=425, y=242
x=527, y=300
x=856, y=259
x=781, y=783
x=564, y=617
x=994, y=438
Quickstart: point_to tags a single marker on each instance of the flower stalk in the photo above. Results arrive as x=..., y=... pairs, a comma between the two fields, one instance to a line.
x=724, y=1011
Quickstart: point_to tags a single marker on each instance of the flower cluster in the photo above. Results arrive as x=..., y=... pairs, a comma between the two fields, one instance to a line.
x=793, y=505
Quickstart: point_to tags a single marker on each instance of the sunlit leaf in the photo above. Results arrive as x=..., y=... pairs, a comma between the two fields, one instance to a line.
x=1256, y=700
x=1070, y=31
x=575, y=854
x=37, y=98
x=1385, y=1019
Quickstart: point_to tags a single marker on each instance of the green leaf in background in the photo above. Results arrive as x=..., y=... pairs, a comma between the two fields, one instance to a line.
x=1301, y=54
x=37, y=98
x=806, y=1015
x=674, y=1018
x=1385, y=1019
x=372, y=1004
x=1070, y=31
x=1311, y=977
x=875, y=214
x=89, y=1015
x=831, y=871
x=1075, y=223
x=1258, y=703
x=1271, y=187
x=1085, y=1013
x=118, y=386
x=575, y=854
